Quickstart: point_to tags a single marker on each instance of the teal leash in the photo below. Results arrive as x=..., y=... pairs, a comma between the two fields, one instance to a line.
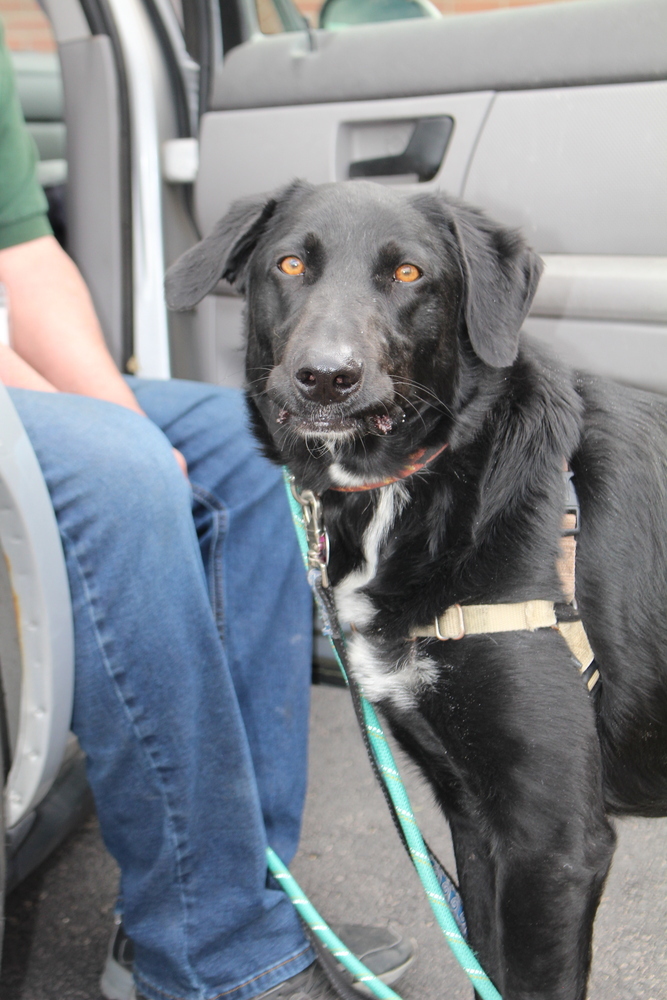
x=306, y=514
x=319, y=926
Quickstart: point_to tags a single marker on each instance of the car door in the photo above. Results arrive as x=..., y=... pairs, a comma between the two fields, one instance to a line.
x=552, y=117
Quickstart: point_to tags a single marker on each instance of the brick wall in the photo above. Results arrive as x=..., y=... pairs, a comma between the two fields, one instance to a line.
x=26, y=27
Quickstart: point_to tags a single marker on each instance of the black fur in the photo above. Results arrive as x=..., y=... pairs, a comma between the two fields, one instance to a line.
x=525, y=764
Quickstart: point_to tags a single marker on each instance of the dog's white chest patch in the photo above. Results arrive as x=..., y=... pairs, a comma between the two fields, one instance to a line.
x=353, y=606
x=341, y=477
x=379, y=678
x=383, y=680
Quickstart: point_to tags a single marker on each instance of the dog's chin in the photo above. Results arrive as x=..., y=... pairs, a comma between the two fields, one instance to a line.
x=335, y=427
x=327, y=434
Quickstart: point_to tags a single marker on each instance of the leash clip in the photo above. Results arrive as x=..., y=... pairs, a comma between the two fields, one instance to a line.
x=316, y=533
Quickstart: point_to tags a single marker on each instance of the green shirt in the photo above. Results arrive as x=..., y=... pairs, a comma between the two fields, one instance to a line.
x=23, y=205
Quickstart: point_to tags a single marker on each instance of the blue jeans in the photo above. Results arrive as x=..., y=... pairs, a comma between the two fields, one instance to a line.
x=193, y=628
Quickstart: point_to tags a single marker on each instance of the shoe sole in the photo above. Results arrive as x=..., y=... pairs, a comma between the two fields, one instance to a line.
x=116, y=982
x=388, y=978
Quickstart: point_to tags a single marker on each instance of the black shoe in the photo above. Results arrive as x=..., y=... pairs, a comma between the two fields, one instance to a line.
x=385, y=953
x=311, y=984
x=117, y=981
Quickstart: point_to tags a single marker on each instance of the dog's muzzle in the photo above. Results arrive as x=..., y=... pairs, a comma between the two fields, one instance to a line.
x=324, y=384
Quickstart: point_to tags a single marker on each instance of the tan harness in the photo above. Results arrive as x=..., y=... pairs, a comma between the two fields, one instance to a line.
x=460, y=620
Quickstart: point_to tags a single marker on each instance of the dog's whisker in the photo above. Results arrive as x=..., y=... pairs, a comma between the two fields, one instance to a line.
x=410, y=383
x=409, y=403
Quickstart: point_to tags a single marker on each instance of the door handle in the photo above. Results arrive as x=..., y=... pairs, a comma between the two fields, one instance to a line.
x=422, y=156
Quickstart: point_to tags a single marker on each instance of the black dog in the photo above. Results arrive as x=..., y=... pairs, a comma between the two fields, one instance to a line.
x=382, y=327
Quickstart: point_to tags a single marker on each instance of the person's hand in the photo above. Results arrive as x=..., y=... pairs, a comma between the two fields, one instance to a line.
x=182, y=464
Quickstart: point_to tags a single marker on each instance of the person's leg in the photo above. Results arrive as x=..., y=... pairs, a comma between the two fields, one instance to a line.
x=156, y=708
x=257, y=584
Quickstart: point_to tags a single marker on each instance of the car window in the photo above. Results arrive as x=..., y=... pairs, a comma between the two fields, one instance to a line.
x=269, y=17
x=26, y=27
x=279, y=15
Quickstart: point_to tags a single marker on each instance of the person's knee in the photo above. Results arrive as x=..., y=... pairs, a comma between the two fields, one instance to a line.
x=135, y=470
x=192, y=405
x=100, y=456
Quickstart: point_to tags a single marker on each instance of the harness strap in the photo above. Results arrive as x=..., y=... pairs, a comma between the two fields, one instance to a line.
x=575, y=636
x=573, y=630
x=568, y=555
x=569, y=530
x=475, y=619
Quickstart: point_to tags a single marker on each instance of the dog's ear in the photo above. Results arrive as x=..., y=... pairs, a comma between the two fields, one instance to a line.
x=225, y=252
x=221, y=254
x=501, y=274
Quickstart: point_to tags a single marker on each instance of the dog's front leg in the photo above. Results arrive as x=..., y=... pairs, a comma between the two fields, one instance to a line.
x=530, y=905
x=519, y=776
x=476, y=872
x=532, y=868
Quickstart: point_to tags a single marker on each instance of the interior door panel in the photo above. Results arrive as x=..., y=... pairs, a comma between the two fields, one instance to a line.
x=604, y=286
x=321, y=141
x=579, y=169
x=559, y=116
x=633, y=353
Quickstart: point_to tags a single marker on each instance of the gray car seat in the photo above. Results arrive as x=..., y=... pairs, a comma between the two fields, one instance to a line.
x=45, y=790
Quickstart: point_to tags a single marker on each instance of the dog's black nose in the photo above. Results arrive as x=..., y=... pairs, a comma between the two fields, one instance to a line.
x=328, y=383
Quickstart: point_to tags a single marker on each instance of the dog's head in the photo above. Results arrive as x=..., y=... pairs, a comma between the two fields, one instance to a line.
x=367, y=310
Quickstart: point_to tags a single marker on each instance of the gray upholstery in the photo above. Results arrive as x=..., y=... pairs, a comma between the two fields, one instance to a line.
x=580, y=169
x=93, y=204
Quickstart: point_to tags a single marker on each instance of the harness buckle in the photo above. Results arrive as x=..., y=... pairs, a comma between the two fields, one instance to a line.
x=462, y=627
x=316, y=533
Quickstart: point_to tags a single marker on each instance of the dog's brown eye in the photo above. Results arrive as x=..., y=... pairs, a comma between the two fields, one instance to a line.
x=292, y=265
x=407, y=272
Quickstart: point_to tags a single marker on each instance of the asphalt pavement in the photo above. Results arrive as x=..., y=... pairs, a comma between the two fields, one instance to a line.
x=354, y=869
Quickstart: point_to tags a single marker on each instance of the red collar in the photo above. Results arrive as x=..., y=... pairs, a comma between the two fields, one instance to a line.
x=416, y=463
